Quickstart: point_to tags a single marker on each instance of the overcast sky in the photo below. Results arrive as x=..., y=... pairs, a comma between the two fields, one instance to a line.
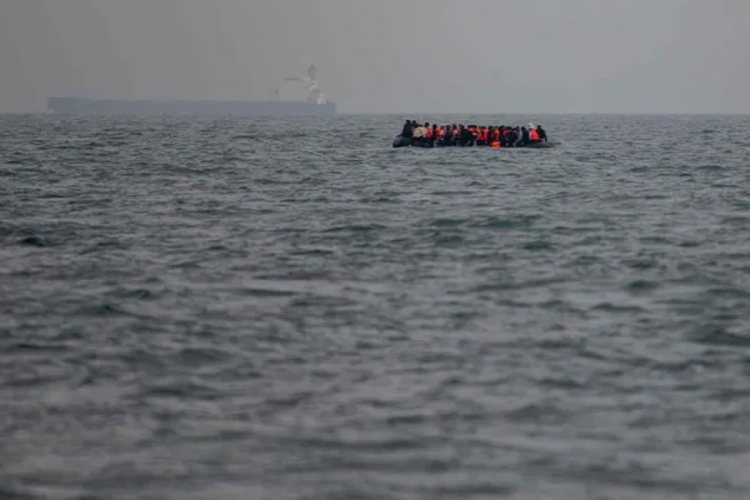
x=386, y=55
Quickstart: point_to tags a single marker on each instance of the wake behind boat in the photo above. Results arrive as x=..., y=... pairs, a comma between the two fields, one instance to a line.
x=429, y=136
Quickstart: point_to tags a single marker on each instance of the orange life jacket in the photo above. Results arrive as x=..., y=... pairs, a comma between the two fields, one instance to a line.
x=429, y=134
x=534, y=135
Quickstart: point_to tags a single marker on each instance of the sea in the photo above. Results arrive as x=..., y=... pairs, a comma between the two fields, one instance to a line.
x=291, y=309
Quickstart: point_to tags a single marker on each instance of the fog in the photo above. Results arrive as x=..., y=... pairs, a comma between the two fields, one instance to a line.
x=494, y=56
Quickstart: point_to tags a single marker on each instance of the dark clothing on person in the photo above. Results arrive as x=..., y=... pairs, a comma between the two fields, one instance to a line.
x=465, y=137
x=542, y=133
x=524, y=136
x=407, y=131
x=512, y=137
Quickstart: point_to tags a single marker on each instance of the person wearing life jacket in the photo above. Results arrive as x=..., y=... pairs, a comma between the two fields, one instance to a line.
x=531, y=129
x=495, y=141
x=479, y=133
x=534, y=135
x=485, y=136
x=428, y=135
x=441, y=135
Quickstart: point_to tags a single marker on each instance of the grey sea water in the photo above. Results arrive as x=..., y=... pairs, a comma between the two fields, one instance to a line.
x=275, y=309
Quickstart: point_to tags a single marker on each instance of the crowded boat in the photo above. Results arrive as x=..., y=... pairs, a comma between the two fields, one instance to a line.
x=433, y=135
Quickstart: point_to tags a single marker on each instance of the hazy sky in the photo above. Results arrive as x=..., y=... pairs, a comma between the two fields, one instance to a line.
x=386, y=55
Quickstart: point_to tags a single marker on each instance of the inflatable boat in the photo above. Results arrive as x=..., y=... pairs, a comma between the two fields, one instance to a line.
x=404, y=142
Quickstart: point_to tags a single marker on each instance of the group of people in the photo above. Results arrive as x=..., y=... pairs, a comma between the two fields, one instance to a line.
x=471, y=135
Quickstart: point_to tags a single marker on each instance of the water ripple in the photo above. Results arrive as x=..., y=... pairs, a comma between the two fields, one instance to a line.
x=203, y=309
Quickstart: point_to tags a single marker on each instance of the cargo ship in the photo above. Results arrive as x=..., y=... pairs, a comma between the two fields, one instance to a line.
x=315, y=105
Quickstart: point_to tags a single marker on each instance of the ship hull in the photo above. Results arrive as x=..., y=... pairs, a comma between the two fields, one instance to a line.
x=72, y=105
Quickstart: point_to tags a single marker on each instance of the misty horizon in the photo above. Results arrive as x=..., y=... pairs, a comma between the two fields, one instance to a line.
x=429, y=57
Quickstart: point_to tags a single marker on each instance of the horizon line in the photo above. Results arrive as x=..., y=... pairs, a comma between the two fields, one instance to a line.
x=461, y=113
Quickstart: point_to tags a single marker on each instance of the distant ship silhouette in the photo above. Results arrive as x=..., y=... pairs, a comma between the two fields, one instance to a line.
x=316, y=104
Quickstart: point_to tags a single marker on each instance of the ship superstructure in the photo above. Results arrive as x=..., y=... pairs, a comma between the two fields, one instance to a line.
x=316, y=104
